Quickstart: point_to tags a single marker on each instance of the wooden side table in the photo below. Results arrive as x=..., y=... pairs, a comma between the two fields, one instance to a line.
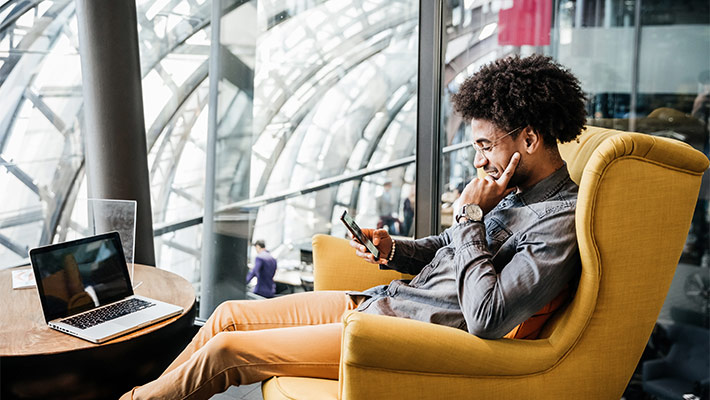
x=39, y=362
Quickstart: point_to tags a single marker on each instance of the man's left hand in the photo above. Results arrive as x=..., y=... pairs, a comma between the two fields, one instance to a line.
x=488, y=192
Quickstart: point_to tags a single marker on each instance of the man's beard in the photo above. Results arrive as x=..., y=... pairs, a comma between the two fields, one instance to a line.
x=520, y=175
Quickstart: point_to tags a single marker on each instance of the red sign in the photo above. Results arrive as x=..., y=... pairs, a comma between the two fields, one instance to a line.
x=526, y=23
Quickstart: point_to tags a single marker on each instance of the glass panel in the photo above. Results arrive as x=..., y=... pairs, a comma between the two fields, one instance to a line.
x=643, y=69
x=174, y=49
x=40, y=143
x=316, y=109
x=96, y=216
x=314, y=96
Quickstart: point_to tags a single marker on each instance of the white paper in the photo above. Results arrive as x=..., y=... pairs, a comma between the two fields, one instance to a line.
x=23, y=278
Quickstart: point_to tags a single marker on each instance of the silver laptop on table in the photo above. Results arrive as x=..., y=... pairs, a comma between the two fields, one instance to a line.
x=85, y=289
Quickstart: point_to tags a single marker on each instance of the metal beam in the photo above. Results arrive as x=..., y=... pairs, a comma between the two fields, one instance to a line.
x=238, y=72
x=181, y=247
x=14, y=247
x=53, y=118
x=635, y=67
x=187, y=196
x=426, y=213
x=208, y=277
x=26, y=216
x=259, y=201
x=21, y=175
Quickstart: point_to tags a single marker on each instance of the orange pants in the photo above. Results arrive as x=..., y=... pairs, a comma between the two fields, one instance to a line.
x=249, y=341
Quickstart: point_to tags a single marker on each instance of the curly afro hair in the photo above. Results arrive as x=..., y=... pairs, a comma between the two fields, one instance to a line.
x=532, y=91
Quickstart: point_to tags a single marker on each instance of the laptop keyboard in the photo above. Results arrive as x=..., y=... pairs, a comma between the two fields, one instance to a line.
x=108, y=313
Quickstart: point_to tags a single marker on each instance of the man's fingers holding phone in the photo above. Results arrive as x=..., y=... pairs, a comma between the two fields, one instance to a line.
x=361, y=251
x=381, y=239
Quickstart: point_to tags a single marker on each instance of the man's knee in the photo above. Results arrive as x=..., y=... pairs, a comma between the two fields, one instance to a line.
x=221, y=346
x=225, y=317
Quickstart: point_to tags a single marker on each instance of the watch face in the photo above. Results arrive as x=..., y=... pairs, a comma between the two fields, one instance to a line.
x=473, y=212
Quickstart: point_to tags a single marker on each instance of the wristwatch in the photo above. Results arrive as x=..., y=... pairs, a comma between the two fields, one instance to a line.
x=472, y=212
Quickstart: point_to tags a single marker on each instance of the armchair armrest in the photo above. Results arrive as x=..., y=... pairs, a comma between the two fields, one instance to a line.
x=409, y=346
x=337, y=267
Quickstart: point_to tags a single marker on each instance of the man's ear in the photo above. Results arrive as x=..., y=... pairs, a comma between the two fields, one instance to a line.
x=532, y=141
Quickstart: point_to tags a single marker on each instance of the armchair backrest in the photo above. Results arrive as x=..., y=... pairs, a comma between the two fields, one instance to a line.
x=636, y=198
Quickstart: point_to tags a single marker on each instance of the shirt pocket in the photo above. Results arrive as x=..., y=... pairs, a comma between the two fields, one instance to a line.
x=497, y=234
x=423, y=275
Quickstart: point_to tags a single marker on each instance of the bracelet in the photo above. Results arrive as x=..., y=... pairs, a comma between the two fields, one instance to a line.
x=391, y=252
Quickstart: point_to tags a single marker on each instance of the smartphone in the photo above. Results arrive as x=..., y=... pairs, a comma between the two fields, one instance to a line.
x=357, y=233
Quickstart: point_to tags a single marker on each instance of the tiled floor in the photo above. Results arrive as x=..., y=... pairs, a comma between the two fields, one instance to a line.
x=247, y=392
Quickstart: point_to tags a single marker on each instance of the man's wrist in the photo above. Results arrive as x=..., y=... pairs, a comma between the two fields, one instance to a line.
x=391, y=256
x=468, y=234
x=469, y=212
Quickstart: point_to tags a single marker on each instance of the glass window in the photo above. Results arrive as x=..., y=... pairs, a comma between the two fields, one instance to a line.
x=315, y=110
x=317, y=103
x=41, y=143
x=41, y=154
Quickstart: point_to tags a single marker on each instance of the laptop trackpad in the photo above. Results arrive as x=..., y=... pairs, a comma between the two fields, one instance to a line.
x=150, y=314
x=138, y=317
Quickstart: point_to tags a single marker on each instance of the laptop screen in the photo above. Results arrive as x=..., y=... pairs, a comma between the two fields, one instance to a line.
x=79, y=275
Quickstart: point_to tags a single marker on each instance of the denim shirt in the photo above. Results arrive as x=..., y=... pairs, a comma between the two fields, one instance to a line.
x=488, y=277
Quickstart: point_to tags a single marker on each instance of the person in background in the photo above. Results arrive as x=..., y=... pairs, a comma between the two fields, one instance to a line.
x=264, y=270
x=447, y=204
x=408, y=214
x=386, y=209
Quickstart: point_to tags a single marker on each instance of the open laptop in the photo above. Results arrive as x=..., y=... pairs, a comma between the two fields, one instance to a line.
x=85, y=290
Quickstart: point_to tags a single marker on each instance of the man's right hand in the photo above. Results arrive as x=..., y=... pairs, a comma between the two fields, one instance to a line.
x=381, y=239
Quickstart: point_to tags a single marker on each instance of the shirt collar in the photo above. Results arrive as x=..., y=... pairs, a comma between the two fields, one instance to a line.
x=547, y=187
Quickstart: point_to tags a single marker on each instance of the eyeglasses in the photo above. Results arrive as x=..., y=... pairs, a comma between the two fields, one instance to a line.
x=484, y=149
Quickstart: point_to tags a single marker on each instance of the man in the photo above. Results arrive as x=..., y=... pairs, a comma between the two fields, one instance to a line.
x=264, y=270
x=499, y=270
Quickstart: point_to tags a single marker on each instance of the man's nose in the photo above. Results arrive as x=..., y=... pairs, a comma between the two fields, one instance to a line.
x=479, y=160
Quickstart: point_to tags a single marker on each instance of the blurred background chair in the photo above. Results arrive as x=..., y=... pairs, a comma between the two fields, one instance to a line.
x=636, y=198
x=686, y=367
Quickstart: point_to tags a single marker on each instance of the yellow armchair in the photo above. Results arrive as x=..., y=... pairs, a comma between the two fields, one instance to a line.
x=636, y=198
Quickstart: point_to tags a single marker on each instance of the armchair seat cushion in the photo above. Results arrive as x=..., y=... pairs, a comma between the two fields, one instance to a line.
x=291, y=387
